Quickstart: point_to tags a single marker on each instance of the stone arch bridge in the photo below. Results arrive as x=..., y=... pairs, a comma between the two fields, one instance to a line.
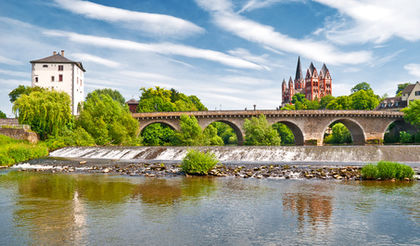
x=308, y=126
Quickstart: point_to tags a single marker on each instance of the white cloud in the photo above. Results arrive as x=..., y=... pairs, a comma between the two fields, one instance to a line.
x=95, y=59
x=15, y=73
x=157, y=24
x=373, y=20
x=257, y=4
x=159, y=48
x=413, y=69
x=245, y=54
x=9, y=61
x=264, y=35
x=146, y=76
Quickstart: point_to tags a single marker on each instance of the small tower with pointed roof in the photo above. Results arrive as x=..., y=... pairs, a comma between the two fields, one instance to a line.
x=299, y=81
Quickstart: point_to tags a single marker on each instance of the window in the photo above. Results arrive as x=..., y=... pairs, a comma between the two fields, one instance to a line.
x=45, y=65
x=417, y=93
x=60, y=78
x=36, y=79
x=52, y=78
x=60, y=67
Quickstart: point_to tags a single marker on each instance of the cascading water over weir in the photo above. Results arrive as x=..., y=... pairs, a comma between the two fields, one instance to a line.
x=242, y=154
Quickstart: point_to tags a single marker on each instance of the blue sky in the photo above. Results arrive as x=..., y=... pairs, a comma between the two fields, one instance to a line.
x=230, y=53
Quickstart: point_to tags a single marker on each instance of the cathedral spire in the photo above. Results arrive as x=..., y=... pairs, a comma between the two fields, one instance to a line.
x=298, y=71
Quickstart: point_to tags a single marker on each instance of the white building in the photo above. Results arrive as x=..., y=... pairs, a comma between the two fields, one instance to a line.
x=61, y=74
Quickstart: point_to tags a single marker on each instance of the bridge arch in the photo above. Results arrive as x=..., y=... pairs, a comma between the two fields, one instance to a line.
x=168, y=123
x=296, y=130
x=357, y=133
x=237, y=129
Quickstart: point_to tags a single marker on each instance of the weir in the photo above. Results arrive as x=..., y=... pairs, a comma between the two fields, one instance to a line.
x=343, y=155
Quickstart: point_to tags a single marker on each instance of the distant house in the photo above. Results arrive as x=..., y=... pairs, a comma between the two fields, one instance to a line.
x=410, y=93
x=58, y=73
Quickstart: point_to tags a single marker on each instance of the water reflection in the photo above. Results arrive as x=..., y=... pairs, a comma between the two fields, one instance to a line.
x=310, y=205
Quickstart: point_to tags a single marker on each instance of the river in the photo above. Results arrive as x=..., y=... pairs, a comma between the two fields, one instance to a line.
x=86, y=209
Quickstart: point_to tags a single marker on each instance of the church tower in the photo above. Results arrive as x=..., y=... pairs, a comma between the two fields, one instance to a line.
x=311, y=83
x=325, y=81
x=299, y=81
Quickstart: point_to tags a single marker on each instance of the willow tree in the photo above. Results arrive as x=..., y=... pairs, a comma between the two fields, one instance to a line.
x=107, y=121
x=47, y=112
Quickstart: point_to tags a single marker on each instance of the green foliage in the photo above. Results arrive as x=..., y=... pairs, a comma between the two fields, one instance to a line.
x=340, y=103
x=23, y=90
x=412, y=113
x=405, y=137
x=364, y=100
x=2, y=115
x=161, y=100
x=364, y=86
x=77, y=137
x=340, y=135
x=114, y=94
x=13, y=151
x=107, y=121
x=190, y=133
x=401, y=87
x=298, y=97
x=289, y=107
x=286, y=135
x=196, y=162
x=301, y=103
x=259, y=132
x=211, y=137
x=325, y=101
x=47, y=112
x=369, y=171
x=157, y=135
x=386, y=170
x=226, y=132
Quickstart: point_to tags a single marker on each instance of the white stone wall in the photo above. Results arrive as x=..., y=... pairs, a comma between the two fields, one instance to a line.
x=72, y=83
x=413, y=96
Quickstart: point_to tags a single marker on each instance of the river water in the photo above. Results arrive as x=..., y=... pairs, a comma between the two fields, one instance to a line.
x=86, y=209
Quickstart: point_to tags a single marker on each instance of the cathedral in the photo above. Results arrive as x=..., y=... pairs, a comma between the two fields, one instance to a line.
x=314, y=86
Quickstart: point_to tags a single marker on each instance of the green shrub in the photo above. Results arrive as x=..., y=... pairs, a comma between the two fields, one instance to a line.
x=386, y=170
x=77, y=137
x=196, y=162
x=369, y=171
x=405, y=137
x=19, y=152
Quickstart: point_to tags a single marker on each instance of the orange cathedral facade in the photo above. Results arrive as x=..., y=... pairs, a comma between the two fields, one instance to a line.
x=314, y=86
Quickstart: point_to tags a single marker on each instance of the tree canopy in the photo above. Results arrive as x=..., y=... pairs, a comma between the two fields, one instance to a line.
x=361, y=86
x=114, y=94
x=400, y=88
x=107, y=121
x=259, y=132
x=286, y=135
x=364, y=100
x=22, y=90
x=47, y=112
x=161, y=100
x=412, y=113
x=340, y=103
x=2, y=115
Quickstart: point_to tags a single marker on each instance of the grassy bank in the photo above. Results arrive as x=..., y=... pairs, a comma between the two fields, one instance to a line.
x=13, y=151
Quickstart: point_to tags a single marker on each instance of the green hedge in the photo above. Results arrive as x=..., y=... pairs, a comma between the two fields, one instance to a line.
x=196, y=162
x=386, y=170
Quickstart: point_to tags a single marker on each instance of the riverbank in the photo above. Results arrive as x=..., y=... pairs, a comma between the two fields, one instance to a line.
x=132, y=168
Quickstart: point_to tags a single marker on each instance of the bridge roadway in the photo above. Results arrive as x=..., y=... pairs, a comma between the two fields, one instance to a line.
x=308, y=126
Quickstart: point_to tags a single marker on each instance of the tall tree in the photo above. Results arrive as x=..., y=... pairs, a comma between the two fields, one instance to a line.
x=259, y=132
x=340, y=103
x=2, y=115
x=361, y=86
x=114, y=94
x=47, y=112
x=325, y=101
x=191, y=133
x=412, y=113
x=400, y=88
x=22, y=90
x=107, y=121
x=364, y=100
